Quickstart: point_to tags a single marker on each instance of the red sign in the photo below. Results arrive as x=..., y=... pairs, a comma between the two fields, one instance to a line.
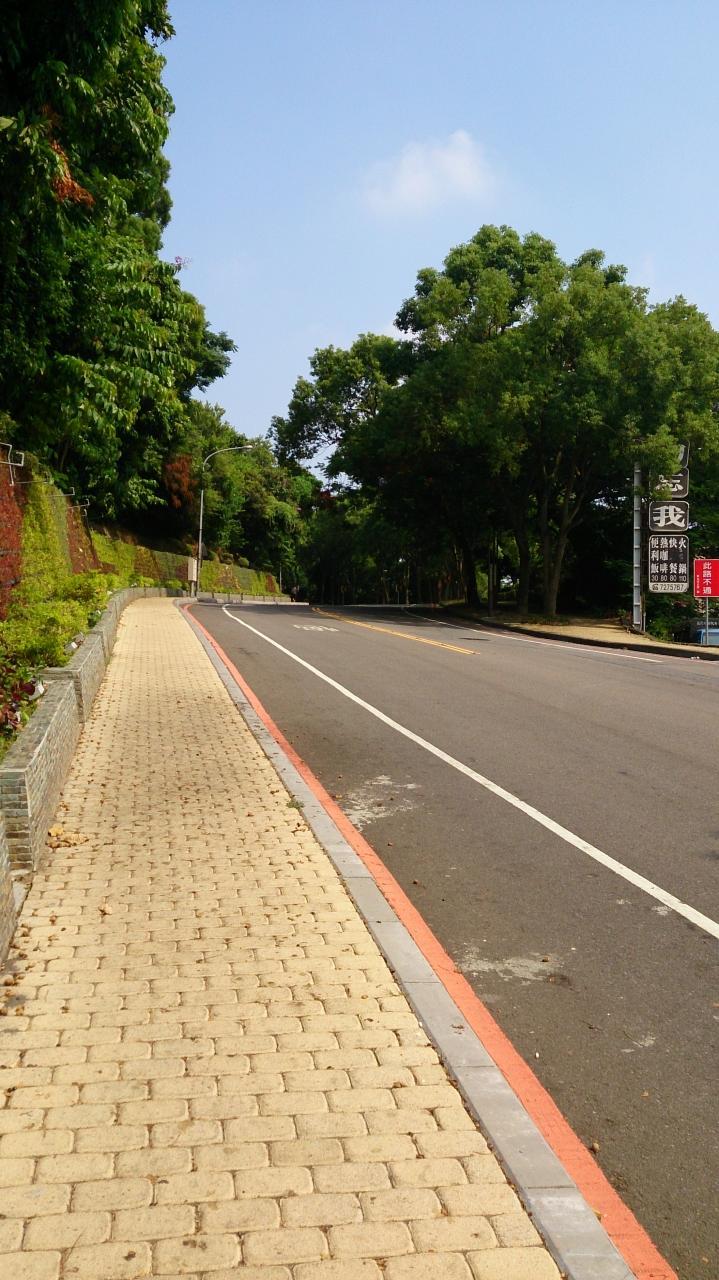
x=706, y=578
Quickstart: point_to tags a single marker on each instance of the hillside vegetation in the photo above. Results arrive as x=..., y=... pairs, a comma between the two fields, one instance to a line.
x=499, y=428
x=56, y=574
x=102, y=351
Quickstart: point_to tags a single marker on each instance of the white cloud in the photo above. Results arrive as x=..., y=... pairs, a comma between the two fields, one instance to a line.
x=426, y=175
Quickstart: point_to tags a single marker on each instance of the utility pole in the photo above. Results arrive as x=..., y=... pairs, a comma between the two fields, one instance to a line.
x=637, y=613
x=233, y=448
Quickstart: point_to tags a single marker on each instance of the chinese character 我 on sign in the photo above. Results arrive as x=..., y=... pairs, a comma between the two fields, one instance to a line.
x=669, y=516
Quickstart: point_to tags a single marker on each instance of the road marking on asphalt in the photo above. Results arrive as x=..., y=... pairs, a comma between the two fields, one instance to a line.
x=566, y=644
x=372, y=626
x=302, y=626
x=604, y=859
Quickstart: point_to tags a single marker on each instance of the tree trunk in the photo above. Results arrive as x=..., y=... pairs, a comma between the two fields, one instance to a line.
x=525, y=568
x=553, y=573
x=469, y=575
x=553, y=550
x=63, y=454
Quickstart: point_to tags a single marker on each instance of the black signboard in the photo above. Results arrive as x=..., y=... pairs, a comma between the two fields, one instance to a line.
x=669, y=563
x=670, y=515
x=677, y=485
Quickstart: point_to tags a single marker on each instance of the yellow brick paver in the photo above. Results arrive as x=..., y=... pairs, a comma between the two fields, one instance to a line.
x=207, y=1068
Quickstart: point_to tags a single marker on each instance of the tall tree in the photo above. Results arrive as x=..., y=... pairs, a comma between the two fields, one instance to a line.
x=100, y=347
x=528, y=388
x=345, y=391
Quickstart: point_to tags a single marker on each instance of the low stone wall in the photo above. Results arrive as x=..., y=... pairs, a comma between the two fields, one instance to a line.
x=85, y=670
x=7, y=900
x=223, y=597
x=106, y=629
x=34, y=771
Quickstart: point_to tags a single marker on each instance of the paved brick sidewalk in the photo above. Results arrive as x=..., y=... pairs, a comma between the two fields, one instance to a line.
x=209, y=1070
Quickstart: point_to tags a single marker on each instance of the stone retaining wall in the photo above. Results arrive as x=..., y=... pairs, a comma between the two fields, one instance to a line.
x=34, y=771
x=239, y=597
x=7, y=900
x=85, y=670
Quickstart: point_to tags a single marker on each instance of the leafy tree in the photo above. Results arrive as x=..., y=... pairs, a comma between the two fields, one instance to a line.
x=346, y=390
x=525, y=393
x=83, y=115
x=100, y=348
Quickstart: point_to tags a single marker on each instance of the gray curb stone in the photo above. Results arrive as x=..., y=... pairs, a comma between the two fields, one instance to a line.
x=570, y=1228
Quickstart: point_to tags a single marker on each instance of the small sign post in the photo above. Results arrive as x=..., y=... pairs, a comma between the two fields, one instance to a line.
x=668, y=549
x=706, y=586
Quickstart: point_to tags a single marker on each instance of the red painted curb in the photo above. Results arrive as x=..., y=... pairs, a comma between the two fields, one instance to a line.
x=629, y=1237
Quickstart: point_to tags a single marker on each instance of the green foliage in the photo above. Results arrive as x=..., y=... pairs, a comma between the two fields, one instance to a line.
x=36, y=633
x=346, y=389
x=525, y=392
x=17, y=686
x=51, y=604
x=233, y=580
x=100, y=347
x=88, y=589
x=670, y=617
x=121, y=555
x=138, y=566
x=45, y=546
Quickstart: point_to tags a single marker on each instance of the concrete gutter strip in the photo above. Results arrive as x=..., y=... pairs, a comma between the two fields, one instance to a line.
x=600, y=642
x=570, y=1228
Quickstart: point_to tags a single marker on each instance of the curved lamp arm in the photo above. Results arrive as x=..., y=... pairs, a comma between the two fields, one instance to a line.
x=230, y=448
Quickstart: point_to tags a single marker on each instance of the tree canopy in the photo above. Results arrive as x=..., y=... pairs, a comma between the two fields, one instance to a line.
x=100, y=347
x=518, y=400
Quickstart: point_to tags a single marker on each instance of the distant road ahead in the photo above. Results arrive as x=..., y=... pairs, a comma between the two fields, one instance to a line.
x=609, y=988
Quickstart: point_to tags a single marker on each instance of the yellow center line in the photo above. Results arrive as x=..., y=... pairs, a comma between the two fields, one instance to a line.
x=371, y=626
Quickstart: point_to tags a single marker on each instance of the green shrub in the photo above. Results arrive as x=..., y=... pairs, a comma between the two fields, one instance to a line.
x=174, y=584
x=36, y=634
x=669, y=617
x=89, y=589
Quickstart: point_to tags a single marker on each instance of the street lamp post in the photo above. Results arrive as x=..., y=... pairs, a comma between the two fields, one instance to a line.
x=232, y=448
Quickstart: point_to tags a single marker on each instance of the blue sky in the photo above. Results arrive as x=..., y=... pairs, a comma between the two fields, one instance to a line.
x=323, y=151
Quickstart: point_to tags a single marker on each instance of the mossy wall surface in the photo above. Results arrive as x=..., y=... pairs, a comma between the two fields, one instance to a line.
x=45, y=543
x=132, y=562
x=46, y=539
x=233, y=578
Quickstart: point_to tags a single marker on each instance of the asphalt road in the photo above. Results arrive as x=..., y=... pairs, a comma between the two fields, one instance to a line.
x=611, y=994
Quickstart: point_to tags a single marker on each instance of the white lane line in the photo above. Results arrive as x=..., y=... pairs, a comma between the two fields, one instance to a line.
x=566, y=644
x=640, y=882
